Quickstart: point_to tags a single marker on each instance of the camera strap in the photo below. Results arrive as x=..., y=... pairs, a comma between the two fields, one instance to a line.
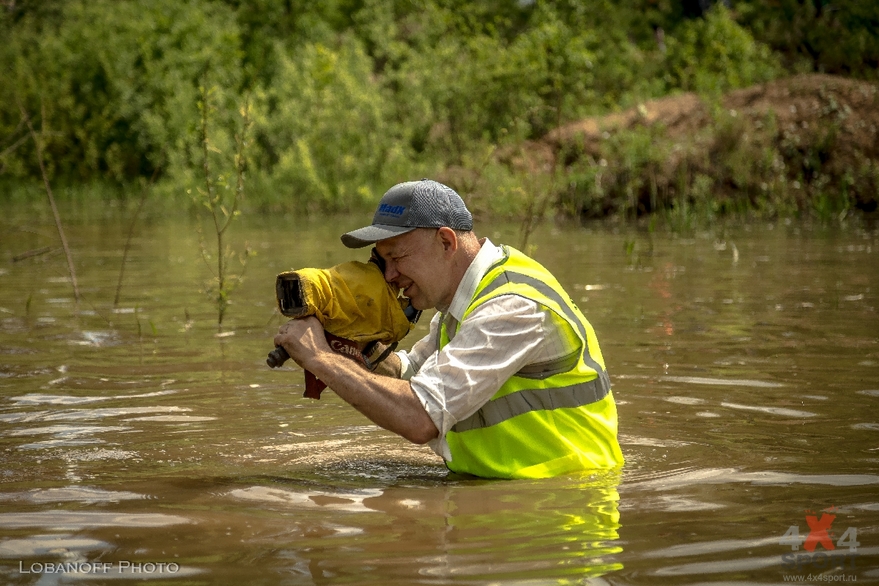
x=313, y=385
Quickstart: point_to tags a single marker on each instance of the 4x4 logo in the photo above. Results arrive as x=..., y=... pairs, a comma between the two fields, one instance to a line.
x=820, y=533
x=835, y=554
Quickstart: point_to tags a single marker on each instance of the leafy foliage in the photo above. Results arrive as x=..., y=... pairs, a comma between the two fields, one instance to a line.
x=325, y=127
x=350, y=96
x=841, y=37
x=715, y=54
x=114, y=83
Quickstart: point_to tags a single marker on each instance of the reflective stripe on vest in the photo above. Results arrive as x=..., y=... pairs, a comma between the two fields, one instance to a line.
x=509, y=406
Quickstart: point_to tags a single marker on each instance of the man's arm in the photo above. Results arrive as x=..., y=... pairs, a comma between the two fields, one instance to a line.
x=388, y=402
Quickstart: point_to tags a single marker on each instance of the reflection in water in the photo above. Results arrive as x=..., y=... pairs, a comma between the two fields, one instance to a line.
x=455, y=530
x=39, y=398
x=48, y=546
x=702, y=380
x=692, y=477
x=75, y=494
x=771, y=410
x=77, y=520
x=322, y=500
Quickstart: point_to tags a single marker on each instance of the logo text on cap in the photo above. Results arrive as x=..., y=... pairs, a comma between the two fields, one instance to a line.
x=389, y=210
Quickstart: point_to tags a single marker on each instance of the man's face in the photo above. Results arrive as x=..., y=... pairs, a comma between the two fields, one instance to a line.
x=415, y=264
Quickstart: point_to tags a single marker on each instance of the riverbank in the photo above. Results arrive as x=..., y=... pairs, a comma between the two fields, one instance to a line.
x=803, y=146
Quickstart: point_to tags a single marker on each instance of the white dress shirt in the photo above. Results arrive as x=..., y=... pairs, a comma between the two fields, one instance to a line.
x=495, y=341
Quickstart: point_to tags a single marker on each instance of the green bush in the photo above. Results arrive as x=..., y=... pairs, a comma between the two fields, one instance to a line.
x=112, y=85
x=509, y=79
x=841, y=37
x=714, y=54
x=325, y=127
x=626, y=178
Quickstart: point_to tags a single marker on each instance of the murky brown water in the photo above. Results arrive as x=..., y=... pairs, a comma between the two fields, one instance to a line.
x=136, y=444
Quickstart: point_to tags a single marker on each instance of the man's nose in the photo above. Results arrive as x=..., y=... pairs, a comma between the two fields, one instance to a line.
x=391, y=271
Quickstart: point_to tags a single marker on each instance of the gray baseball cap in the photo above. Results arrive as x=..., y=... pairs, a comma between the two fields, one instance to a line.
x=410, y=205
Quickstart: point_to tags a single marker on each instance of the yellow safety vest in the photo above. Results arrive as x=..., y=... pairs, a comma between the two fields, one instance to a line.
x=550, y=418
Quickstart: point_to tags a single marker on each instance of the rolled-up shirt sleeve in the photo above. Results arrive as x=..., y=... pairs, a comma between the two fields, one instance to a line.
x=495, y=341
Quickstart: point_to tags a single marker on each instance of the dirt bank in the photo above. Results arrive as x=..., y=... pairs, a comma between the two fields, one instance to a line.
x=804, y=144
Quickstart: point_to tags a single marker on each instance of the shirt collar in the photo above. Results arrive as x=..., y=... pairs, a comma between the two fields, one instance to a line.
x=488, y=255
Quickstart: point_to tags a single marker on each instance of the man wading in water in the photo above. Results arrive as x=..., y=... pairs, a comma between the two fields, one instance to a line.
x=510, y=381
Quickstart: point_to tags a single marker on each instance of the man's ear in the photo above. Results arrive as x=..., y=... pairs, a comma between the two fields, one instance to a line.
x=448, y=238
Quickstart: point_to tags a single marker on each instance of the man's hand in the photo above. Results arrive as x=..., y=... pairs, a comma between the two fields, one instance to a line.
x=303, y=339
x=390, y=366
x=388, y=402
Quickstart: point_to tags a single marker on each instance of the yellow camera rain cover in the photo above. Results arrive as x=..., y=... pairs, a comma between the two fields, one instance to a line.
x=352, y=300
